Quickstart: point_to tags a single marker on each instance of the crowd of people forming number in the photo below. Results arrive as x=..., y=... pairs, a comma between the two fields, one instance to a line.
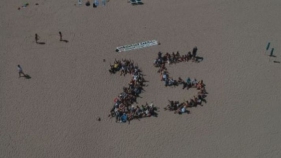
x=176, y=106
x=124, y=109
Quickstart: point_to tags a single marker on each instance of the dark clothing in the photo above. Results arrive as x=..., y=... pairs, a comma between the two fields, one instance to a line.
x=194, y=51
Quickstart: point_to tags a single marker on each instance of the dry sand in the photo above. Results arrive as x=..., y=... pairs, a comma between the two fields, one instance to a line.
x=54, y=113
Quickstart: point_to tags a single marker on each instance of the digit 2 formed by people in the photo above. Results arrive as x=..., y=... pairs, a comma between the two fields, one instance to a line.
x=124, y=109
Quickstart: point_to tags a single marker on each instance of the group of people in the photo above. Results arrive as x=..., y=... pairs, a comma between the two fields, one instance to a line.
x=123, y=109
x=161, y=62
x=176, y=106
x=125, y=66
x=175, y=58
x=180, y=108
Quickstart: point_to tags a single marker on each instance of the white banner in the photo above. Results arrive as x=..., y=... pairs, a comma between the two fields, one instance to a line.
x=136, y=46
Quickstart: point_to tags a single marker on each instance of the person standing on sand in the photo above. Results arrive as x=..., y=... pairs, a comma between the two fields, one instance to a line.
x=60, y=36
x=20, y=71
x=36, y=38
x=194, y=51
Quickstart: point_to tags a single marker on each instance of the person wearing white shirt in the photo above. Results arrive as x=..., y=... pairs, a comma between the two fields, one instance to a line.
x=20, y=71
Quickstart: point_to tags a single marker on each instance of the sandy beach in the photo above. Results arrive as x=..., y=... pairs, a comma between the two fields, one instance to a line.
x=53, y=114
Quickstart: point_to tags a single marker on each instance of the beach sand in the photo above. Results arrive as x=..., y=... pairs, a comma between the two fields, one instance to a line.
x=54, y=113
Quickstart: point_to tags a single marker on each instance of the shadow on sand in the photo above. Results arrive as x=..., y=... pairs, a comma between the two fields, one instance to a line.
x=42, y=43
x=27, y=76
x=66, y=41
